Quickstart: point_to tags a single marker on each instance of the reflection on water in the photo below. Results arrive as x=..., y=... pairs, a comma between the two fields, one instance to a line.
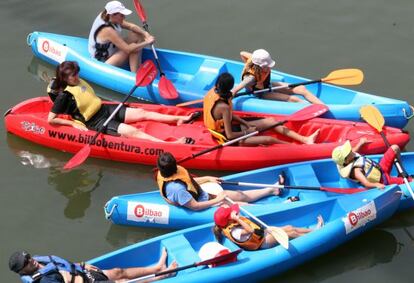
x=38, y=161
x=366, y=251
x=120, y=236
x=77, y=186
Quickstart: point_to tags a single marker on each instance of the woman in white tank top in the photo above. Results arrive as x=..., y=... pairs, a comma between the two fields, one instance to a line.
x=106, y=42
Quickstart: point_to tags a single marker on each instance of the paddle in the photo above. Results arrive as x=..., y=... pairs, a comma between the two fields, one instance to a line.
x=374, y=118
x=221, y=259
x=144, y=76
x=332, y=190
x=306, y=113
x=165, y=86
x=278, y=233
x=338, y=77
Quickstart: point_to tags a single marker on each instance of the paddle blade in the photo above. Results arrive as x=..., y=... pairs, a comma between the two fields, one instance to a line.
x=140, y=11
x=372, y=116
x=345, y=77
x=343, y=190
x=220, y=259
x=211, y=188
x=309, y=112
x=167, y=89
x=78, y=158
x=280, y=235
x=146, y=73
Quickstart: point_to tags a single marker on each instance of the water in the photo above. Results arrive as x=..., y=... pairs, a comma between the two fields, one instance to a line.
x=45, y=210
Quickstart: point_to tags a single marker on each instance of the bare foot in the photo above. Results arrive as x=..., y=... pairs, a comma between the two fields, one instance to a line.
x=320, y=222
x=162, y=262
x=182, y=119
x=172, y=266
x=311, y=139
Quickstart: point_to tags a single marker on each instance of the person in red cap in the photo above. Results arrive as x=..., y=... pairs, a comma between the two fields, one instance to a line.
x=247, y=234
x=256, y=76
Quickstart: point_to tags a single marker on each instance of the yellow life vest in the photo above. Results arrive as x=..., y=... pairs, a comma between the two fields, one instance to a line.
x=261, y=76
x=209, y=102
x=254, y=242
x=371, y=169
x=86, y=100
x=182, y=175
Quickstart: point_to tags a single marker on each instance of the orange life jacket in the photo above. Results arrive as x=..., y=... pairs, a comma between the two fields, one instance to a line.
x=209, y=102
x=261, y=77
x=182, y=175
x=253, y=243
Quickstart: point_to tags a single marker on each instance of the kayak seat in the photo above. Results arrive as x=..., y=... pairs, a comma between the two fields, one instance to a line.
x=303, y=175
x=207, y=74
x=180, y=250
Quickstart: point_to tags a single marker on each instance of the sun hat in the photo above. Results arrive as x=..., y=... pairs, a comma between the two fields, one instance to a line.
x=222, y=215
x=17, y=261
x=113, y=7
x=262, y=58
x=339, y=155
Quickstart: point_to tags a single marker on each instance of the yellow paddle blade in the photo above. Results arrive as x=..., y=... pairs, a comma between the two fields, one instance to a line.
x=372, y=116
x=345, y=77
x=280, y=235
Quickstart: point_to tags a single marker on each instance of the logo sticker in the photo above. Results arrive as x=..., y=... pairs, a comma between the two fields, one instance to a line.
x=360, y=217
x=148, y=212
x=52, y=49
x=32, y=127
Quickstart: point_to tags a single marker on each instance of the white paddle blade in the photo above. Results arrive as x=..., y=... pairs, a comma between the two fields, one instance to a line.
x=280, y=235
x=211, y=188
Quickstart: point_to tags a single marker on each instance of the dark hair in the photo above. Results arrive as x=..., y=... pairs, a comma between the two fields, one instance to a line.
x=217, y=232
x=63, y=71
x=224, y=84
x=167, y=164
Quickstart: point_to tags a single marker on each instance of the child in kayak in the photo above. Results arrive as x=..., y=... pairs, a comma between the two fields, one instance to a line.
x=247, y=234
x=106, y=43
x=219, y=117
x=256, y=76
x=75, y=97
x=56, y=269
x=363, y=170
x=179, y=188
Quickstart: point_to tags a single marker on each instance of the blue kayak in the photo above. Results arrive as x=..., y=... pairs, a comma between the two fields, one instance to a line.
x=344, y=217
x=194, y=74
x=150, y=210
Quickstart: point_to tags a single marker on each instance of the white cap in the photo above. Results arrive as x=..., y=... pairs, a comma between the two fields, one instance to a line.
x=113, y=7
x=262, y=58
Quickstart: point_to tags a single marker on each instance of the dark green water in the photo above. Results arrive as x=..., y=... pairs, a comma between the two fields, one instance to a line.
x=47, y=211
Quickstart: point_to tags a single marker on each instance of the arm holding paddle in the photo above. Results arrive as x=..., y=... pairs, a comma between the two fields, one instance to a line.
x=256, y=75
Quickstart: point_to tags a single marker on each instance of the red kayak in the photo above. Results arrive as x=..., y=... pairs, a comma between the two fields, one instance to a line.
x=28, y=120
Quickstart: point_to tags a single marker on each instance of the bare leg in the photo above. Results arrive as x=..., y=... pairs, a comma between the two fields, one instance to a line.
x=309, y=96
x=134, y=57
x=137, y=114
x=251, y=195
x=121, y=274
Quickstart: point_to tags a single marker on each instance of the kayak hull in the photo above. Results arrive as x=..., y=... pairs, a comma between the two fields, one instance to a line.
x=29, y=121
x=194, y=74
x=345, y=218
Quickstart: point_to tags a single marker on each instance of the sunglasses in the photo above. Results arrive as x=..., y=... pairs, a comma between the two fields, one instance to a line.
x=27, y=258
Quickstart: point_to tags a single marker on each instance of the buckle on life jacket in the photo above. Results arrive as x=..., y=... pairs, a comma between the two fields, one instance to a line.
x=220, y=138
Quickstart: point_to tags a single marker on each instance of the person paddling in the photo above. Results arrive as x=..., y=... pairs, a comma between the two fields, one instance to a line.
x=179, y=188
x=246, y=233
x=54, y=269
x=75, y=97
x=256, y=76
x=364, y=170
x=225, y=125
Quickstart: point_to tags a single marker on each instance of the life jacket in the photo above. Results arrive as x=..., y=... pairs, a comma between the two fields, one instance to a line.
x=209, y=102
x=372, y=171
x=255, y=240
x=86, y=100
x=182, y=175
x=261, y=76
x=54, y=264
x=101, y=50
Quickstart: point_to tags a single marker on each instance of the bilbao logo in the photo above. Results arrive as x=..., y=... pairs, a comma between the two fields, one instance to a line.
x=45, y=46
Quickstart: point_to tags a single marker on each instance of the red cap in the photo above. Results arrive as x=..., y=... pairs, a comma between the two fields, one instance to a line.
x=222, y=214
